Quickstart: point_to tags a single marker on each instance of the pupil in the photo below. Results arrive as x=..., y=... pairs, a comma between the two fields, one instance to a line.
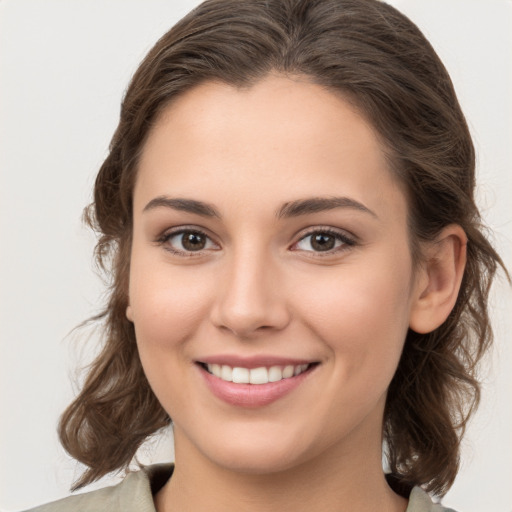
x=193, y=241
x=323, y=242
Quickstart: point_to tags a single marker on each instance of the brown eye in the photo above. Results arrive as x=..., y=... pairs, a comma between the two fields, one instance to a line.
x=185, y=242
x=193, y=241
x=324, y=241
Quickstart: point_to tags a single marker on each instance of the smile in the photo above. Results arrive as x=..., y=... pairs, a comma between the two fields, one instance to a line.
x=262, y=375
x=253, y=382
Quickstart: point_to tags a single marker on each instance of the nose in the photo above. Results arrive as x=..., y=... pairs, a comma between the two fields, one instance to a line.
x=250, y=298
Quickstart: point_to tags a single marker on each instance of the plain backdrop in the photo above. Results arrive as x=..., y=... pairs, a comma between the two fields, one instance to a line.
x=64, y=65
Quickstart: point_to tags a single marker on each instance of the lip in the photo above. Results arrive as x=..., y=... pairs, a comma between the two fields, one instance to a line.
x=253, y=395
x=252, y=361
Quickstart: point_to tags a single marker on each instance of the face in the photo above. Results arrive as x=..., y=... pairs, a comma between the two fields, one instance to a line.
x=270, y=248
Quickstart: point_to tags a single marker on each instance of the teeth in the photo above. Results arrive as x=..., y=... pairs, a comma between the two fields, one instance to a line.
x=275, y=373
x=288, y=371
x=241, y=375
x=226, y=373
x=216, y=370
x=260, y=375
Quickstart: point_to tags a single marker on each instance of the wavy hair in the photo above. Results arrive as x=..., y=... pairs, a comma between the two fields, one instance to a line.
x=379, y=60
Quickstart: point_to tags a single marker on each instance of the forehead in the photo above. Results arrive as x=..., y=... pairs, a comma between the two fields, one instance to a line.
x=280, y=137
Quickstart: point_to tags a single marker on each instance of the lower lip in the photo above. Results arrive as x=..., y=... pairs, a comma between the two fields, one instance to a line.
x=252, y=395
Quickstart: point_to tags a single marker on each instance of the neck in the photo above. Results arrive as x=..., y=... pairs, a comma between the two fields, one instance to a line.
x=333, y=481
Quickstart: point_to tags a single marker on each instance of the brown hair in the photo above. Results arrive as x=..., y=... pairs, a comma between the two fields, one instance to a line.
x=376, y=57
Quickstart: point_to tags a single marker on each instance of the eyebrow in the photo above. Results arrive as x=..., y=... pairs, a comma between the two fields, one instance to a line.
x=320, y=204
x=184, y=205
x=288, y=210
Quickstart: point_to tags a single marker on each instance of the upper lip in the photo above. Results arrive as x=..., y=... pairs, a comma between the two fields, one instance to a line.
x=256, y=361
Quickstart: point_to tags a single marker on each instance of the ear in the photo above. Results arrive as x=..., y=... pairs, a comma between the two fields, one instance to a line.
x=439, y=279
x=129, y=313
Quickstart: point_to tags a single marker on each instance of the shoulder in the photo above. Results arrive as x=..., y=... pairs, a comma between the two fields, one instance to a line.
x=133, y=494
x=420, y=501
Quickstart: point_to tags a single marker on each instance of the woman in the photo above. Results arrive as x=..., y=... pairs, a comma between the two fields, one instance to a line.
x=299, y=272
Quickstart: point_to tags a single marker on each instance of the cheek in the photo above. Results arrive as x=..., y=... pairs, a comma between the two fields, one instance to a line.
x=167, y=303
x=362, y=315
x=168, y=307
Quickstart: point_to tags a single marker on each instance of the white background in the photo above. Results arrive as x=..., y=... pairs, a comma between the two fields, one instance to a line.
x=64, y=65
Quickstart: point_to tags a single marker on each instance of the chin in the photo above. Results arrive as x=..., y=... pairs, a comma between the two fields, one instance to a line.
x=255, y=462
x=254, y=454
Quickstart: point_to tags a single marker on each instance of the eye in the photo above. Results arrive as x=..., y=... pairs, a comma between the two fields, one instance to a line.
x=324, y=241
x=187, y=241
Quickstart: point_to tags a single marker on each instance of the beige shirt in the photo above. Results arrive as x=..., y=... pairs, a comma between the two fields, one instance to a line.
x=135, y=494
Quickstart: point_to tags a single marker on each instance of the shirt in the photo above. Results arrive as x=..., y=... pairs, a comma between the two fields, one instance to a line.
x=135, y=494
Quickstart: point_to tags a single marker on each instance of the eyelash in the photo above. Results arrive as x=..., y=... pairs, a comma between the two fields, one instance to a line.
x=346, y=241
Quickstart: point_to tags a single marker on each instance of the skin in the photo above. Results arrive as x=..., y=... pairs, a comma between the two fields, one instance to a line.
x=260, y=287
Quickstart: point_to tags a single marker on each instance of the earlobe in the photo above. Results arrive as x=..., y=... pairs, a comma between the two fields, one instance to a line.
x=129, y=313
x=438, y=285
